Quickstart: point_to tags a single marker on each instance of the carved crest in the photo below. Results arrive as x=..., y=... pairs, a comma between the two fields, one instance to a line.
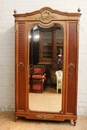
x=46, y=16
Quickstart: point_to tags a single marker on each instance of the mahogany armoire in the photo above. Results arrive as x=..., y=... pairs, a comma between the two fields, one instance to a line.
x=47, y=18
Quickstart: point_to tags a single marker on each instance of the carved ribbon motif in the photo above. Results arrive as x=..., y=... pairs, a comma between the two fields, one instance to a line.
x=46, y=15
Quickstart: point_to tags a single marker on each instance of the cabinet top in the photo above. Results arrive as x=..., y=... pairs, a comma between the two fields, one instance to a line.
x=46, y=15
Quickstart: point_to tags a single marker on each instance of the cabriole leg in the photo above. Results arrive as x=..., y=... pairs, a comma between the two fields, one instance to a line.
x=74, y=121
x=16, y=118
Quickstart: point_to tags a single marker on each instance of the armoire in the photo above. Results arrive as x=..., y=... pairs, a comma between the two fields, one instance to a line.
x=56, y=30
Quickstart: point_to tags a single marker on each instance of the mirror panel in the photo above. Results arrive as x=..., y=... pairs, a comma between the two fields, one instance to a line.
x=46, y=94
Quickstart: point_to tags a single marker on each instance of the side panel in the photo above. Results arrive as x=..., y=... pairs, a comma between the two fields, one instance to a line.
x=20, y=67
x=72, y=68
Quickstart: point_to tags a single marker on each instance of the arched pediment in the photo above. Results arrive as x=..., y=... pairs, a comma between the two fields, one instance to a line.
x=46, y=15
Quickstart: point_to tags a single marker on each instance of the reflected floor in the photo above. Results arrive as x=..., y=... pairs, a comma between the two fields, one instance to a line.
x=48, y=100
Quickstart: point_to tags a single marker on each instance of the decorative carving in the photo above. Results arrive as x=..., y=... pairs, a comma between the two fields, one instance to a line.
x=21, y=63
x=78, y=24
x=44, y=116
x=79, y=10
x=71, y=67
x=15, y=11
x=46, y=16
x=15, y=27
x=71, y=64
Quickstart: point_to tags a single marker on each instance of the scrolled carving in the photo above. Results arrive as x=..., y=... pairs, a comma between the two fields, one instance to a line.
x=46, y=16
x=71, y=67
x=21, y=63
x=45, y=116
x=71, y=64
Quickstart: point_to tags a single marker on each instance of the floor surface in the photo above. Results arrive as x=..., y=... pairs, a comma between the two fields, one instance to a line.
x=7, y=122
x=49, y=100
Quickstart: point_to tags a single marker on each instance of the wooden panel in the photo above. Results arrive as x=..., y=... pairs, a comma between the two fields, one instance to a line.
x=71, y=94
x=21, y=67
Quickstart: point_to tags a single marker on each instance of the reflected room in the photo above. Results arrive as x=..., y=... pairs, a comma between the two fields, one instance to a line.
x=46, y=68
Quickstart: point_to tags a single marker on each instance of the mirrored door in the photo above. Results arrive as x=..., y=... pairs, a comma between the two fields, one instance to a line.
x=43, y=95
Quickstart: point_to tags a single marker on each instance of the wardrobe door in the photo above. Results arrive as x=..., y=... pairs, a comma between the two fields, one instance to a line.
x=72, y=68
x=20, y=69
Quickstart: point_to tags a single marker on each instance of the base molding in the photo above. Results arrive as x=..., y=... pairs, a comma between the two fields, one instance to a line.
x=46, y=116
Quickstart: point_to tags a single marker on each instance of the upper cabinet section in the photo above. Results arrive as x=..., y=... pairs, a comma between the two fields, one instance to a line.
x=53, y=35
x=47, y=15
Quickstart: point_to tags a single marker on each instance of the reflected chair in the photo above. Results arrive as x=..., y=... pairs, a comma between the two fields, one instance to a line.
x=59, y=75
x=38, y=77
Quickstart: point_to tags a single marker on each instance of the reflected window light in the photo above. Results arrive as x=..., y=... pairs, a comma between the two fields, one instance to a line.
x=29, y=36
x=36, y=36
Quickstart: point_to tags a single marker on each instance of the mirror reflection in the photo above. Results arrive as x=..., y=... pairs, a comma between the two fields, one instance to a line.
x=46, y=68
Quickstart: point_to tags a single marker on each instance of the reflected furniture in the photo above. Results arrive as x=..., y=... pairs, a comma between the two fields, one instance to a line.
x=59, y=76
x=51, y=40
x=68, y=25
x=38, y=77
x=48, y=66
x=54, y=68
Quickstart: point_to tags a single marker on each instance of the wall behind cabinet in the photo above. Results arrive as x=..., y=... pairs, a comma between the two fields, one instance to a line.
x=7, y=47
